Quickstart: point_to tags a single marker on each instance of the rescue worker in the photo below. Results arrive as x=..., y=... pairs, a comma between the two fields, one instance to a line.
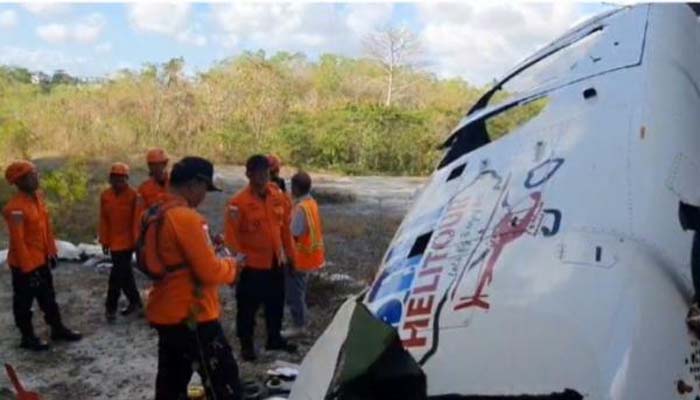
x=309, y=256
x=32, y=255
x=256, y=224
x=116, y=234
x=275, y=165
x=155, y=188
x=184, y=305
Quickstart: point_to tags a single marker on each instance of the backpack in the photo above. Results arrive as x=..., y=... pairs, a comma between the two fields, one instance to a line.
x=148, y=260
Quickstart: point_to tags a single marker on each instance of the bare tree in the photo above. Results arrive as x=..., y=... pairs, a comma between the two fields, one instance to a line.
x=393, y=48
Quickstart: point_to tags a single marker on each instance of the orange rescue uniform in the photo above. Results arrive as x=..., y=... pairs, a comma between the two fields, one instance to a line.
x=259, y=228
x=191, y=292
x=310, y=254
x=153, y=192
x=117, y=218
x=150, y=193
x=32, y=240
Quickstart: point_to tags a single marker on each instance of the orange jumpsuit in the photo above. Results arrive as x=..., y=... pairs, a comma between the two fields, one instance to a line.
x=153, y=192
x=117, y=233
x=150, y=193
x=192, y=292
x=117, y=218
x=32, y=240
x=259, y=228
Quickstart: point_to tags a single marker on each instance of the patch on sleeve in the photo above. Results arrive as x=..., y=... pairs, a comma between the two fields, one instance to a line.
x=234, y=212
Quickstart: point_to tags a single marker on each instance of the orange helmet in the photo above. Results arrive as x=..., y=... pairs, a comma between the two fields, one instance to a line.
x=17, y=170
x=156, y=156
x=275, y=163
x=119, y=168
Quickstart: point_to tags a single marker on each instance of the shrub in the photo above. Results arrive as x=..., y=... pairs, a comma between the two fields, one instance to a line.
x=69, y=201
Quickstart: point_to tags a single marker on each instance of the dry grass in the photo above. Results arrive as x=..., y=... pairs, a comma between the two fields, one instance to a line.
x=356, y=243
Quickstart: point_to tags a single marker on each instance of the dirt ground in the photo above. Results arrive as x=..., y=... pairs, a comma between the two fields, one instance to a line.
x=119, y=361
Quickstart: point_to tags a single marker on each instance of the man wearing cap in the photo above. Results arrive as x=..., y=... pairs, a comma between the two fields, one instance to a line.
x=31, y=254
x=184, y=304
x=257, y=225
x=275, y=165
x=155, y=188
x=116, y=233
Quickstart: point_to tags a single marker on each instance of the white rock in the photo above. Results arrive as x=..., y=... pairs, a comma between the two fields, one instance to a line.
x=284, y=371
x=90, y=250
x=67, y=251
x=340, y=278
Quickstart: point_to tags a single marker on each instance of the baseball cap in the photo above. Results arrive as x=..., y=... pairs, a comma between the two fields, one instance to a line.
x=191, y=168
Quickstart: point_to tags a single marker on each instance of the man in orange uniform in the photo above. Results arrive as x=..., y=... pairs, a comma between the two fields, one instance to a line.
x=184, y=305
x=256, y=224
x=310, y=255
x=154, y=189
x=117, y=213
x=31, y=255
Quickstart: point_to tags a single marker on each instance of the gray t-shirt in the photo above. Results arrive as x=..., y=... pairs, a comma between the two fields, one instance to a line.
x=299, y=225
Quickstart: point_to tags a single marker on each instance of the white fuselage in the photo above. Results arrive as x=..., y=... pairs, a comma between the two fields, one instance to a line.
x=553, y=258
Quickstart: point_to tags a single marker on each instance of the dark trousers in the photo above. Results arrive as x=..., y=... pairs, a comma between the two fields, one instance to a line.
x=121, y=279
x=38, y=285
x=260, y=287
x=180, y=349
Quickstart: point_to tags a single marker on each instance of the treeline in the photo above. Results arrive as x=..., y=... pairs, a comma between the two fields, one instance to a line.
x=324, y=114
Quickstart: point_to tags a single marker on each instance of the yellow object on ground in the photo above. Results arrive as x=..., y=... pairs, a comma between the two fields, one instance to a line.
x=196, y=393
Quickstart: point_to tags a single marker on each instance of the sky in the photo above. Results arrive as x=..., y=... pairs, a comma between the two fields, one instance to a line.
x=475, y=40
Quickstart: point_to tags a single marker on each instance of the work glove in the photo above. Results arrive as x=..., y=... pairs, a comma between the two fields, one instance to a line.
x=105, y=250
x=53, y=262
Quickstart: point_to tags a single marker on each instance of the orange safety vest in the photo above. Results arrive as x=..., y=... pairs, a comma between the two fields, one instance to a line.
x=310, y=254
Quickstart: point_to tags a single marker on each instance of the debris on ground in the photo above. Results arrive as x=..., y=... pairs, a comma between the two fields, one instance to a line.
x=339, y=278
x=22, y=393
x=67, y=251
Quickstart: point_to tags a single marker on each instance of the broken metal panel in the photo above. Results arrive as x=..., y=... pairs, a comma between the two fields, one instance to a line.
x=319, y=365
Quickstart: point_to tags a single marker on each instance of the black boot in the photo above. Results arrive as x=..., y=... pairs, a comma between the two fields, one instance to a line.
x=60, y=332
x=29, y=339
x=281, y=344
x=248, y=350
x=33, y=343
x=131, y=308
